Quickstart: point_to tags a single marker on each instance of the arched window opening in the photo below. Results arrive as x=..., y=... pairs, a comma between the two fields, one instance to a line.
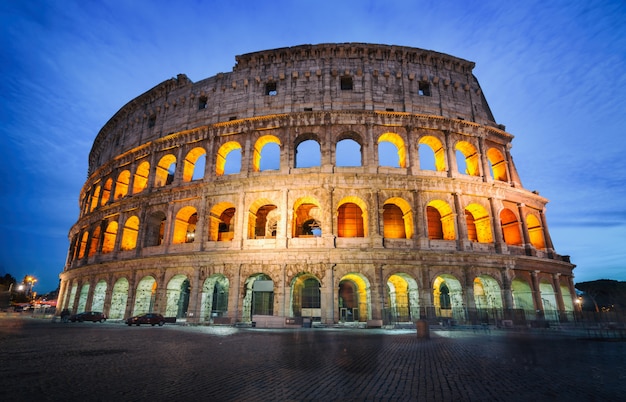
x=185, y=226
x=393, y=222
x=523, y=296
x=467, y=158
x=440, y=221
x=348, y=301
x=177, y=295
x=165, y=171
x=306, y=298
x=448, y=297
x=121, y=185
x=193, y=165
x=129, y=233
x=266, y=155
x=145, y=295
x=95, y=240
x=535, y=232
x=94, y=198
x=110, y=234
x=263, y=222
x=444, y=297
x=350, y=220
x=478, y=224
x=391, y=151
x=119, y=298
x=219, y=300
x=106, y=191
x=510, y=228
x=348, y=153
x=140, y=181
x=497, y=165
x=222, y=222
x=155, y=229
x=308, y=154
x=432, y=154
x=259, y=298
x=83, y=245
x=307, y=220
x=228, y=160
x=402, y=298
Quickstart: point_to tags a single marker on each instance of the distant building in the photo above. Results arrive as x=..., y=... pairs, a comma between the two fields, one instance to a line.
x=266, y=194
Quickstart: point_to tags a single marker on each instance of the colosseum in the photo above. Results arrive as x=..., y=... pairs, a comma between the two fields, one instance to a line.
x=331, y=184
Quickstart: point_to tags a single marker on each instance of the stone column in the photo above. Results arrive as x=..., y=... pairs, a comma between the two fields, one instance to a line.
x=329, y=296
x=193, y=310
x=484, y=160
x=546, y=233
x=462, y=241
x=506, y=289
x=557, y=291
x=537, y=294
x=453, y=168
x=527, y=245
x=498, y=237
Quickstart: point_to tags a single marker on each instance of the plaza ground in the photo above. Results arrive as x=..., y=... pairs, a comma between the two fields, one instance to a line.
x=51, y=361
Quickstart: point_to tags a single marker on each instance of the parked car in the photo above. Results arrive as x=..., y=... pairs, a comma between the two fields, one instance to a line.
x=148, y=318
x=93, y=316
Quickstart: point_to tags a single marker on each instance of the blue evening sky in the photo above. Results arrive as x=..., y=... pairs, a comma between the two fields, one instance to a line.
x=553, y=72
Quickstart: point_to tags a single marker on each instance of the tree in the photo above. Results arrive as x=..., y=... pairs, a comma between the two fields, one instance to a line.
x=606, y=294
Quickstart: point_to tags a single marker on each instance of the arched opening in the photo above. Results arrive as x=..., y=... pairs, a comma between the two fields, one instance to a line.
x=99, y=293
x=185, y=225
x=307, y=218
x=259, y=298
x=397, y=219
x=140, y=182
x=119, y=298
x=121, y=185
x=440, y=221
x=351, y=218
x=106, y=191
x=110, y=234
x=193, y=165
x=487, y=299
x=129, y=233
x=354, y=298
x=478, y=224
x=391, y=151
x=348, y=153
x=467, y=158
x=145, y=296
x=177, y=296
x=548, y=299
x=95, y=240
x=82, y=298
x=448, y=297
x=222, y=222
x=165, y=170
x=228, y=159
x=266, y=155
x=308, y=154
x=510, y=228
x=155, y=229
x=402, y=299
x=535, y=232
x=306, y=297
x=497, y=165
x=568, y=304
x=432, y=154
x=94, y=198
x=83, y=245
x=263, y=221
x=214, y=300
x=523, y=297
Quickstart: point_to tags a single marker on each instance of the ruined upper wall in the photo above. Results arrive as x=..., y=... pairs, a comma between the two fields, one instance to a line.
x=347, y=76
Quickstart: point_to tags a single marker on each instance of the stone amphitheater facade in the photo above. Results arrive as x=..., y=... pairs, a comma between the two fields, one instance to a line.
x=335, y=183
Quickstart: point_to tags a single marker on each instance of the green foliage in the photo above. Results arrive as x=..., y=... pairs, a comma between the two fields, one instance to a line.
x=605, y=294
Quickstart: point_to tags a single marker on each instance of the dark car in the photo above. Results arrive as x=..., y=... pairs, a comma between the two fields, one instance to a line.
x=148, y=318
x=93, y=316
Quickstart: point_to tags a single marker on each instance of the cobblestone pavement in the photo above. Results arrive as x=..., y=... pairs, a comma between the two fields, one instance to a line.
x=45, y=361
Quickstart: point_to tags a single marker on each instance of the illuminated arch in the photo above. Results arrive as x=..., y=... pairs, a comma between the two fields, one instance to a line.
x=94, y=198
x=258, y=150
x=121, y=185
x=397, y=219
x=177, y=296
x=447, y=296
x=398, y=142
x=354, y=298
x=307, y=217
x=145, y=295
x=110, y=234
x=119, y=298
x=259, y=296
x=535, y=232
x=222, y=222
x=440, y=221
x=308, y=151
x=129, y=233
x=140, y=181
x=522, y=296
x=478, y=224
x=439, y=153
x=263, y=219
x=185, y=225
x=155, y=229
x=352, y=217
x=95, y=240
x=403, y=298
x=548, y=299
x=510, y=228
x=487, y=293
x=99, y=293
x=471, y=158
x=214, y=298
x=165, y=171
x=106, y=191
x=498, y=164
x=191, y=163
x=222, y=154
x=83, y=244
x=306, y=296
